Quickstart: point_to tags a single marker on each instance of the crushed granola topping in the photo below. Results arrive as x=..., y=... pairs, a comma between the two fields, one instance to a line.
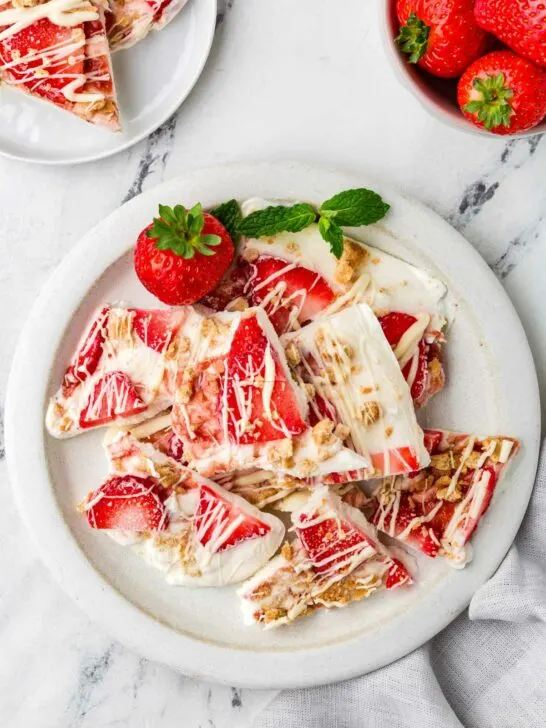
x=342, y=431
x=272, y=615
x=293, y=355
x=351, y=259
x=281, y=454
x=370, y=413
x=185, y=390
x=250, y=255
x=323, y=431
x=238, y=304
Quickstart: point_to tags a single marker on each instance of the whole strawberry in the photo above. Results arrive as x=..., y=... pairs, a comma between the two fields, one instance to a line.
x=183, y=254
x=441, y=36
x=521, y=24
x=503, y=93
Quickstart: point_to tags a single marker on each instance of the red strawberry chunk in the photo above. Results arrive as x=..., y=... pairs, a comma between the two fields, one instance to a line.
x=395, y=324
x=88, y=356
x=397, y=575
x=296, y=288
x=114, y=395
x=398, y=460
x=222, y=524
x=420, y=380
x=432, y=439
x=129, y=503
x=156, y=328
x=420, y=536
x=249, y=397
x=331, y=541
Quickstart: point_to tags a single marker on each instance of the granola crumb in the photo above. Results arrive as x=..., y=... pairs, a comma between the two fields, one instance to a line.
x=310, y=390
x=322, y=432
x=293, y=355
x=342, y=431
x=250, y=255
x=351, y=259
x=185, y=390
x=388, y=431
x=238, y=304
x=281, y=454
x=293, y=247
x=272, y=615
x=287, y=551
x=370, y=413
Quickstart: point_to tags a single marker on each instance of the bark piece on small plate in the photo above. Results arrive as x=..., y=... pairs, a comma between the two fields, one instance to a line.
x=336, y=559
x=237, y=406
x=123, y=369
x=437, y=509
x=296, y=279
x=186, y=526
x=355, y=381
x=57, y=51
x=130, y=21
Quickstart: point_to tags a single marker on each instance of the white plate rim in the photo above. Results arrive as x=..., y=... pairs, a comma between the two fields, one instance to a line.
x=37, y=505
x=210, y=13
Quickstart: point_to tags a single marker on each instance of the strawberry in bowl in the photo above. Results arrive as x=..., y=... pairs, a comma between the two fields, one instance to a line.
x=503, y=93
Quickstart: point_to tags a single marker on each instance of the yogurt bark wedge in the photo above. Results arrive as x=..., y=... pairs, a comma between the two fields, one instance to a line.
x=438, y=509
x=237, y=407
x=296, y=279
x=123, y=370
x=57, y=51
x=335, y=559
x=186, y=526
x=130, y=21
x=355, y=380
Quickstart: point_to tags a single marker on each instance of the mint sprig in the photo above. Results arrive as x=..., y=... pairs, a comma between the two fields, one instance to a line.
x=180, y=230
x=353, y=208
x=278, y=219
x=229, y=214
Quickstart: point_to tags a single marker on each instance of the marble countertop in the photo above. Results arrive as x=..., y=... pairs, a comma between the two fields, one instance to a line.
x=285, y=80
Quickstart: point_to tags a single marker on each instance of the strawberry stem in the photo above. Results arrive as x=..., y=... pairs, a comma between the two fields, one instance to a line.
x=491, y=102
x=413, y=38
x=180, y=230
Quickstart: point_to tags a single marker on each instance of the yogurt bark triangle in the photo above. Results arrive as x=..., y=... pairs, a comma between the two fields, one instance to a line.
x=123, y=370
x=335, y=559
x=356, y=381
x=296, y=279
x=57, y=51
x=186, y=526
x=130, y=21
x=237, y=407
x=438, y=509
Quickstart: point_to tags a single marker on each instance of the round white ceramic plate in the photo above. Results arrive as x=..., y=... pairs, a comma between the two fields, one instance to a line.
x=492, y=390
x=152, y=78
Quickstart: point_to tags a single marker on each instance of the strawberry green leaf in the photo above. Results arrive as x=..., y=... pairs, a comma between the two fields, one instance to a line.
x=278, y=219
x=355, y=207
x=333, y=234
x=229, y=214
x=491, y=103
x=413, y=38
x=180, y=230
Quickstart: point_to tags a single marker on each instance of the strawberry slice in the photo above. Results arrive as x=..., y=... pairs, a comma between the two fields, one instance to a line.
x=395, y=324
x=432, y=439
x=420, y=381
x=331, y=542
x=270, y=413
x=156, y=328
x=397, y=575
x=475, y=512
x=420, y=536
x=168, y=442
x=129, y=503
x=398, y=460
x=114, y=395
x=88, y=356
x=223, y=524
x=286, y=288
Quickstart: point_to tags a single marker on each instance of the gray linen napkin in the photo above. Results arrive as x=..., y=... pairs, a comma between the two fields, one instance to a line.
x=486, y=670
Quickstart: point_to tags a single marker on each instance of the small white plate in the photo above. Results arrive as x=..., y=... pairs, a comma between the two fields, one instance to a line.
x=152, y=78
x=492, y=390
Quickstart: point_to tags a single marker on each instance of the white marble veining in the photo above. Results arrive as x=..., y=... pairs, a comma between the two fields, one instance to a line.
x=285, y=80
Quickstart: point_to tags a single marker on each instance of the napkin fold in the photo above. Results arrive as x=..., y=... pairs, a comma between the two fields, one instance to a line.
x=485, y=670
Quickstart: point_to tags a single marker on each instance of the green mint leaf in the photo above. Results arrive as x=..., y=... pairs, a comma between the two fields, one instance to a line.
x=278, y=219
x=355, y=207
x=333, y=234
x=229, y=214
